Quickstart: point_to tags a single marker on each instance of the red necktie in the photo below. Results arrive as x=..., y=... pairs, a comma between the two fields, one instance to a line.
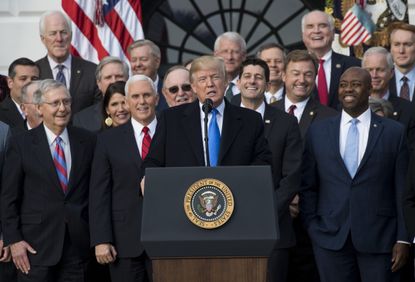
x=291, y=109
x=145, y=146
x=60, y=164
x=405, y=89
x=323, y=94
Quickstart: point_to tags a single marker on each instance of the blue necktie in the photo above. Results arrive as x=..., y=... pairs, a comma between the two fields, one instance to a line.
x=214, y=139
x=351, y=153
x=61, y=76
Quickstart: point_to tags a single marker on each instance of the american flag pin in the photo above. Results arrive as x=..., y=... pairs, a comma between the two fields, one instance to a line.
x=395, y=113
x=267, y=121
x=338, y=66
x=311, y=113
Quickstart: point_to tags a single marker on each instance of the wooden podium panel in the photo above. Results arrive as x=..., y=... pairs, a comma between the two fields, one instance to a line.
x=241, y=269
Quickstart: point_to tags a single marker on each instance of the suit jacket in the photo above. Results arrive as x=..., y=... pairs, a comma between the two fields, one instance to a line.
x=404, y=112
x=83, y=87
x=368, y=206
x=34, y=207
x=339, y=64
x=284, y=140
x=10, y=115
x=4, y=140
x=89, y=118
x=313, y=111
x=115, y=204
x=178, y=138
x=409, y=199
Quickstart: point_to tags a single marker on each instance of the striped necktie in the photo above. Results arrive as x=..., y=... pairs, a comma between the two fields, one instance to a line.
x=60, y=164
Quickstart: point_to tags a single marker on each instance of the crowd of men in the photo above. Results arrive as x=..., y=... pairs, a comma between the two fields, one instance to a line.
x=338, y=133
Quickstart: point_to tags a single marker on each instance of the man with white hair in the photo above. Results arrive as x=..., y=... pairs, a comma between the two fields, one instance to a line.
x=318, y=34
x=75, y=73
x=231, y=47
x=115, y=203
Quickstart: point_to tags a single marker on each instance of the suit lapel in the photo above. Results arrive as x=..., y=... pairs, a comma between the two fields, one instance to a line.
x=44, y=156
x=46, y=71
x=192, y=127
x=336, y=72
x=334, y=132
x=130, y=144
x=269, y=118
x=230, y=128
x=76, y=73
x=308, y=116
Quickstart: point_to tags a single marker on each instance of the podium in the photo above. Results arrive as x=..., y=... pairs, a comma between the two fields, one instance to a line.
x=235, y=251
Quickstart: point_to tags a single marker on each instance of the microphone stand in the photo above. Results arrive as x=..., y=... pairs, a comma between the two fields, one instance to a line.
x=207, y=108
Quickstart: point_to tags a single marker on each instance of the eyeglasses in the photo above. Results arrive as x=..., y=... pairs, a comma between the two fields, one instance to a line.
x=58, y=103
x=175, y=89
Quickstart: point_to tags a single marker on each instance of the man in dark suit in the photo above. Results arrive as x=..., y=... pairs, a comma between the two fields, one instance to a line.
x=351, y=202
x=109, y=70
x=402, y=42
x=284, y=140
x=145, y=58
x=379, y=63
x=179, y=137
x=75, y=73
x=318, y=34
x=45, y=189
x=4, y=89
x=21, y=72
x=409, y=200
x=115, y=203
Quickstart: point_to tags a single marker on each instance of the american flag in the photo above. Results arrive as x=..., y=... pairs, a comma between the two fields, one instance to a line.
x=357, y=26
x=103, y=27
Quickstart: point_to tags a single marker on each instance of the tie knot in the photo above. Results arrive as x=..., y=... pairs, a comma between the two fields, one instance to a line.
x=322, y=61
x=354, y=121
x=404, y=79
x=58, y=140
x=145, y=130
x=214, y=112
x=292, y=108
x=61, y=67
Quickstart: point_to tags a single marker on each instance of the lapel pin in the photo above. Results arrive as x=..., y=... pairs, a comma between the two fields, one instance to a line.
x=375, y=125
x=78, y=71
x=395, y=113
x=338, y=66
x=267, y=121
x=311, y=113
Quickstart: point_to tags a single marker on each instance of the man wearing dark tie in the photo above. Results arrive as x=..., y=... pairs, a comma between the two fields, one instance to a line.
x=236, y=134
x=354, y=176
x=402, y=42
x=115, y=200
x=75, y=73
x=284, y=140
x=45, y=189
x=21, y=72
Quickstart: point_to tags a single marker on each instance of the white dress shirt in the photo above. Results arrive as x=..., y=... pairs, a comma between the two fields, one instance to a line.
x=299, y=110
x=260, y=109
x=277, y=95
x=139, y=134
x=66, y=70
x=65, y=145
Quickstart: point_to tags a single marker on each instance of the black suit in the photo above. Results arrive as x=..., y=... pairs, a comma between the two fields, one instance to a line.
x=178, y=138
x=83, y=87
x=409, y=199
x=339, y=64
x=115, y=202
x=10, y=115
x=34, y=207
x=89, y=118
x=313, y=111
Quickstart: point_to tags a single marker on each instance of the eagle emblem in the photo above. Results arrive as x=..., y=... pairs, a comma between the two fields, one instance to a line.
x=209, y=203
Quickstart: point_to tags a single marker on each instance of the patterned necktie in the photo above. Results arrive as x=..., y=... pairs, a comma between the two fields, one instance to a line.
x=323, y=94
x=351, y=152
x=229, y=93
x=291, y=109
x=214, y=139
x=405, y=89
x=61, y=76
x=145, y=146
x=60, y=164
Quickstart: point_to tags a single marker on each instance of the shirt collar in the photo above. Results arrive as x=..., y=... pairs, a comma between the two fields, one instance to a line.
x=410, y=75
x=327, y=56
x=364, y=118
x=260, y=109
x=156, y=83
x=220, y=108
x=66, y=63
x=138, y=127
x=52, y=136
x=300, y=105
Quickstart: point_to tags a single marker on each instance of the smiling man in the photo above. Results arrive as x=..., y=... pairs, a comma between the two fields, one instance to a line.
x=176, y=86
x=179, y=136
x=318, y=34
x=351, y=202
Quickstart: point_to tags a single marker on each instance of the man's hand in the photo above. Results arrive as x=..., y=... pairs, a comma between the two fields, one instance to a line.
x=142, y=183
x=4, y=252
x=400, y=253
x=105, y=253
x=19, y=255
x=294, y=209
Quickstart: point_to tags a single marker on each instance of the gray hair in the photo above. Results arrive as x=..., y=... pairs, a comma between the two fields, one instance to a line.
x=25, y=94
x=139, y=77
x=232, y=36
x=111, y=60
x=381, y=51
x=46, y=86
x=49, y=13
x=330, y=19
x=155, y=50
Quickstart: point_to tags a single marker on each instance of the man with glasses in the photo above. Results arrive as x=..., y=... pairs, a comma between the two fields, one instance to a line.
x=75, y=73
x=45, y=193
x=176, y=86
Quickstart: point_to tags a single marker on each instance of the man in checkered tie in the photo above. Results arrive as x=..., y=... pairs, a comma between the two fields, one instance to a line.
x=45, y=194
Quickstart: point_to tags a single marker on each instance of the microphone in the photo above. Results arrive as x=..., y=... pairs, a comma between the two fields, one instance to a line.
x=207, y=108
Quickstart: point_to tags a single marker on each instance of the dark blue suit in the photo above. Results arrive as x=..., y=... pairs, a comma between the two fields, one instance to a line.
x=366, y=211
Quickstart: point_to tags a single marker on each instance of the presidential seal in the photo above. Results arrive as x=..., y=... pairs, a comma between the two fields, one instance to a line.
x=208, y=203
